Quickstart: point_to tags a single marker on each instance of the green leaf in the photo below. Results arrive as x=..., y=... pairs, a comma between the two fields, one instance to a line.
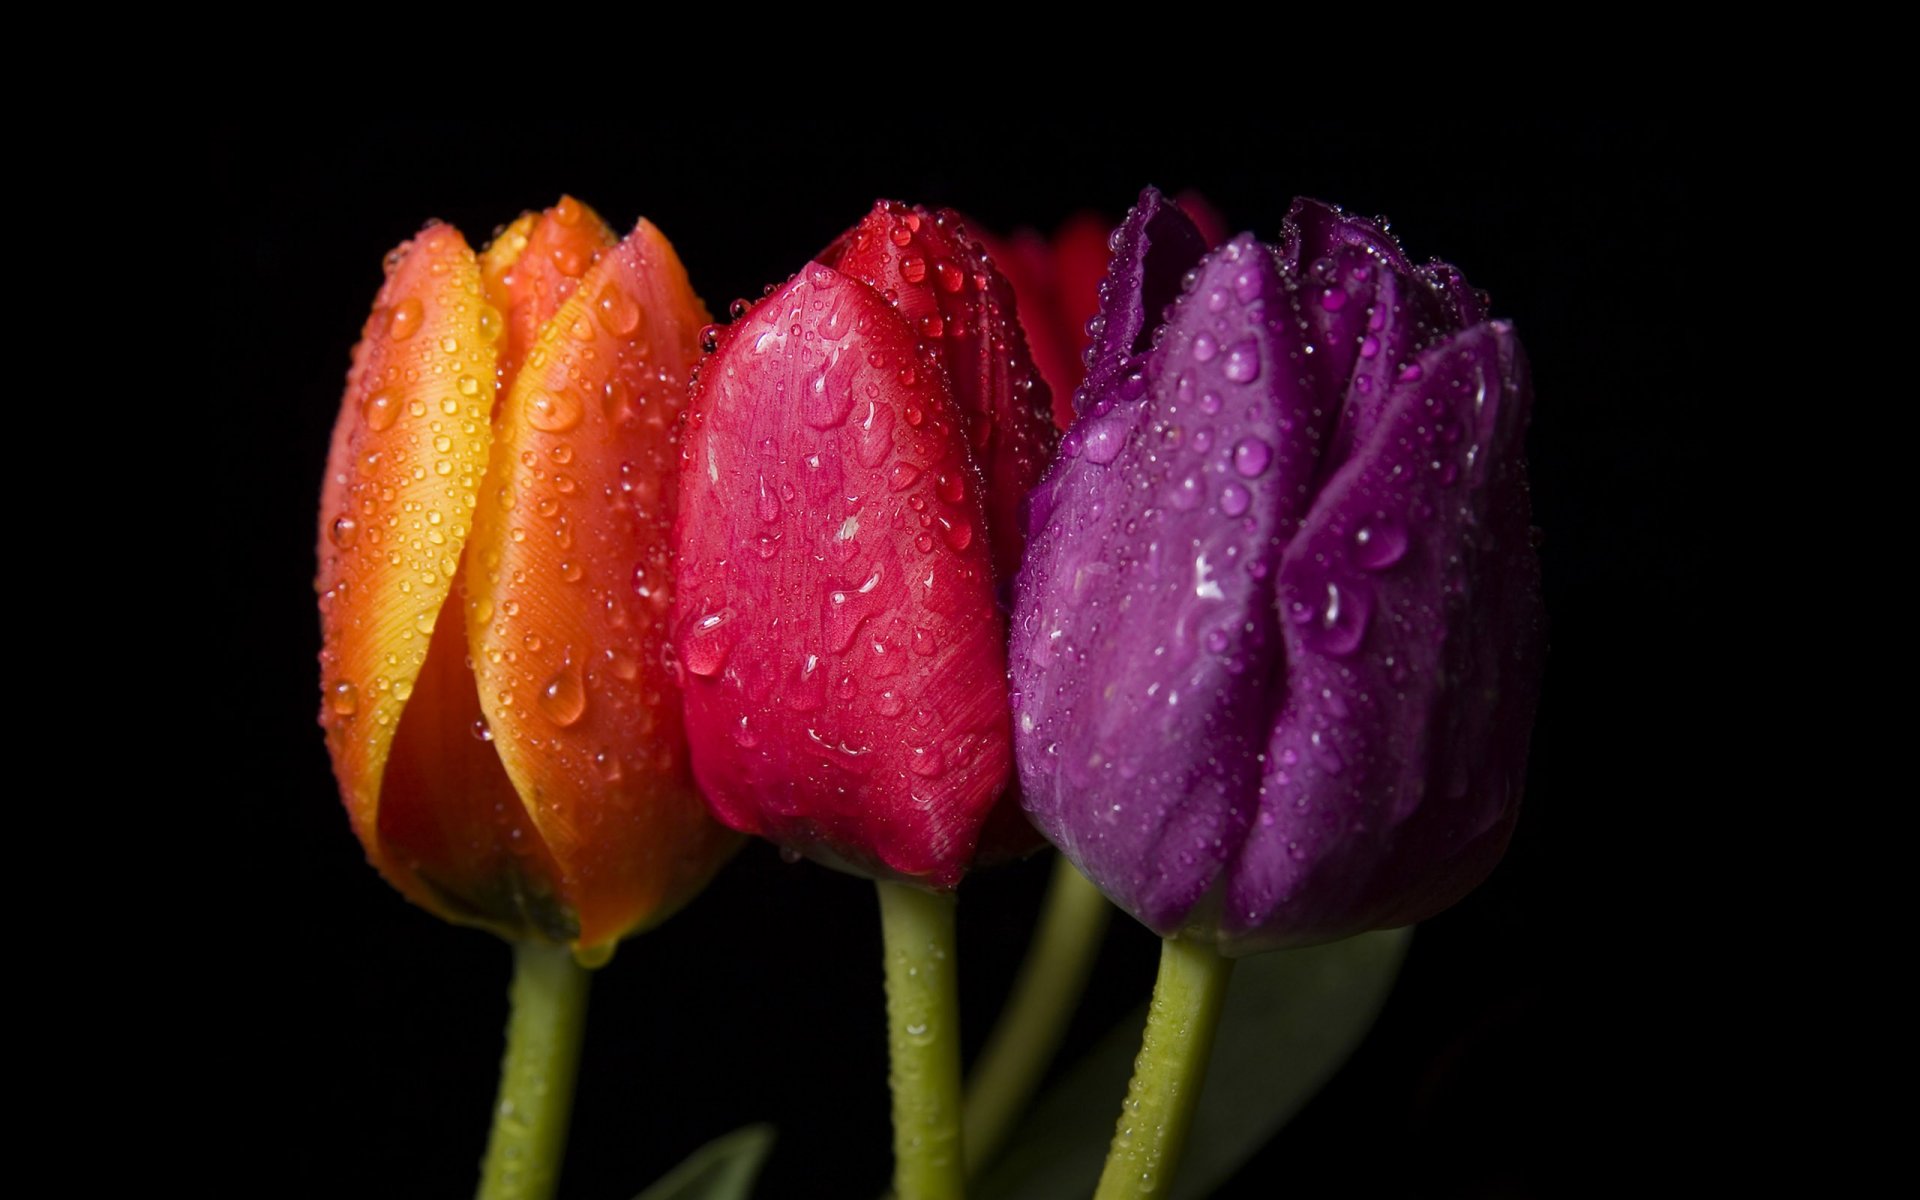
x=1292, y=1018
x=723, y=1169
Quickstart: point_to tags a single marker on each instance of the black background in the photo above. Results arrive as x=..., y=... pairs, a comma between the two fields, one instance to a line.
x=369, y=1032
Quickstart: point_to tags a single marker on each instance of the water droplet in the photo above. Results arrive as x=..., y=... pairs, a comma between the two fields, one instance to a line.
x=876, y=434
x=344, y=532
x=554, y=412
x=619, y=313
x=1204, y=347
x=381, y=410
x=768, y=504
x=1342, y=623
x=1243, y=362
x=564, y=698
x=1104, y=441
x=1251, y=457
x=828, y=401
x=1234, y=499
x=949, y=275
x=1325, y=754
x=708, y=642
x=344, y=699
x=405, y=319
x=623, y=665
x=1379, y=544
x=913, y=268
x=1188, y=493
x=1334, y=300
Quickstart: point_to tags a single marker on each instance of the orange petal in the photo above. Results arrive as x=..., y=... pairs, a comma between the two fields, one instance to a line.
x=534, y=265
x=454, y=834
x=568, y=592
x=409, y=451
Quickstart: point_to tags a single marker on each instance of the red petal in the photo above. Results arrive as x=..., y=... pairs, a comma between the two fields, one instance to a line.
x=953, y=296
x=843, y=656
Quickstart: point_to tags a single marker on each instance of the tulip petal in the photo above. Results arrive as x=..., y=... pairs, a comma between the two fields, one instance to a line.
x=842, y=696
x=569, y=584
x=409, y=450
x=454, y=833
x=1152, y=251
x=534, y=265
x=946, y=285
x=1410, y=602
x=1153, y=574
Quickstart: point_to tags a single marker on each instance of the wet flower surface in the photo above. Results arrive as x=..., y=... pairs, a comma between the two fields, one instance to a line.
x=858, y=448
x=493, y=581
x=1277, y=639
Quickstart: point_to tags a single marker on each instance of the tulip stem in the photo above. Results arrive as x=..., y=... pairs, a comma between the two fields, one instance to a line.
x=1169, y=1072
x=1052, y=978
x=923, y=1040
x=529, y=1138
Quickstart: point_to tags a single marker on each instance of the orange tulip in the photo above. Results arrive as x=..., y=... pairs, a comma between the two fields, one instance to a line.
x=494, y=582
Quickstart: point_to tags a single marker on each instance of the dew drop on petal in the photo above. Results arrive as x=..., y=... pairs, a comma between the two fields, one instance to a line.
x=564, y=698
x=1251, y=457
x=1379, y=544
x=553, y=412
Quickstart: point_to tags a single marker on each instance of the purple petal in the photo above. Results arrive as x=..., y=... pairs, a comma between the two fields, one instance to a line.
x=1314, y=230
x=1145, y=646
x=1152, y=251
x=1411, y=615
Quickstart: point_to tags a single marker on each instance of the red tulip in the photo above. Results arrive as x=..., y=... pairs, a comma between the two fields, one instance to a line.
x=493, y=581
x=858, y=448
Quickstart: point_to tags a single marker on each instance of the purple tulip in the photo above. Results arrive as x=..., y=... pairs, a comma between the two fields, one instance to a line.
x=1278, y=634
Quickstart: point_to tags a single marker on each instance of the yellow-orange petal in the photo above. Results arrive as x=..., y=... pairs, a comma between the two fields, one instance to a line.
x=568, y=592
x=454, y=834
x=534, y=266
x=403, y=476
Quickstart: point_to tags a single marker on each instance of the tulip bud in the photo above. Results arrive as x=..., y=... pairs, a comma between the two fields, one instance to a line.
x=857, y=449
x=493, y=579
x=1277, y=640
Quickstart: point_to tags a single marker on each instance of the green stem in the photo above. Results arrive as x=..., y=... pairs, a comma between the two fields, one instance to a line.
x=1169, y=1072
x=923, y=1039
x=529, y=1138
x=1073, y=920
